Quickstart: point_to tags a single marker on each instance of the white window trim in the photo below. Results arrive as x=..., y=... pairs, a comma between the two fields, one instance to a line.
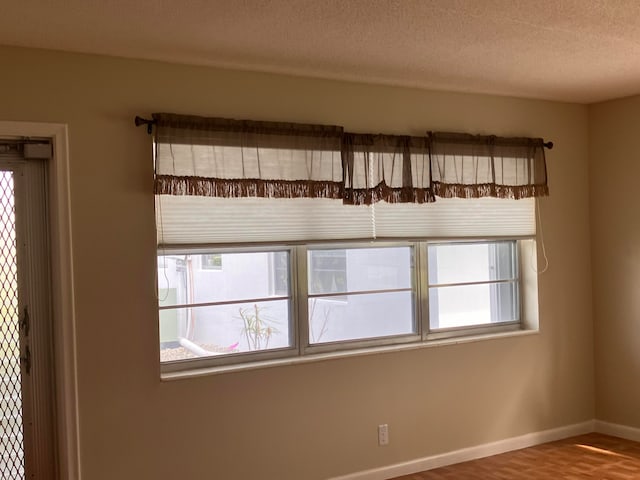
x=62, y=290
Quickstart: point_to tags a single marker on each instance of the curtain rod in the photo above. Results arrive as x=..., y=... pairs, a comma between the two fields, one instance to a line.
x=150, y=123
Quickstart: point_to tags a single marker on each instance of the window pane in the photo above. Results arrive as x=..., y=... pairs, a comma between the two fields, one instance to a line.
x=469, y=305
x=355, y=317
x=223, y=329
x=471, y=262
x=359, y=269
x=193, y=279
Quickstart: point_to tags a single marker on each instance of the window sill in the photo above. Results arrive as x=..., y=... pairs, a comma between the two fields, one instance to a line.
x=201, y=372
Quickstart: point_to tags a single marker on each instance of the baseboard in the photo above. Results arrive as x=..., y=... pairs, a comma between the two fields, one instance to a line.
x=617, y=430
x=478, y=451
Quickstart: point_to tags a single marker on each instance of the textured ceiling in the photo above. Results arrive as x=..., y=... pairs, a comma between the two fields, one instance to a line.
x=570, y=50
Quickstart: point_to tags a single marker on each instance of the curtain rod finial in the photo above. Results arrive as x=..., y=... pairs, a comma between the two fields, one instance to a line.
x=548, y=145
x=143, y=121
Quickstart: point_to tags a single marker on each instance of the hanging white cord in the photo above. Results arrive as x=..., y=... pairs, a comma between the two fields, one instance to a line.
x=534, y=265
x=373, y=207
x=164, y=264
x=158, y=205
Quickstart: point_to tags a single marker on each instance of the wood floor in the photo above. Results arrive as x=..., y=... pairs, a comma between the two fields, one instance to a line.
x=591, y=456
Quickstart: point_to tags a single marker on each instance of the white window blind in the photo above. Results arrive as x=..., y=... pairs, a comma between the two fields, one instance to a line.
x=185, y=220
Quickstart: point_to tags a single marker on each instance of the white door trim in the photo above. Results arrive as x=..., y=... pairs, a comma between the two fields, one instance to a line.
x=62, y=290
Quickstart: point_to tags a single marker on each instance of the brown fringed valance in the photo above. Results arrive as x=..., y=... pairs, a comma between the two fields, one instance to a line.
x=394, y=169
x=250, y=187
x=240, y=158
x=515, y=192
x=217, y=157
x=474, y=166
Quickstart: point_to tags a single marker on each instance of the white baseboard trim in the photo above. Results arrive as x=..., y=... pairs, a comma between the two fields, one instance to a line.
x=617, y=430
x=478, y=451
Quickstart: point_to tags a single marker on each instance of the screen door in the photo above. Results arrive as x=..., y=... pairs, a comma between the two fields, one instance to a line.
x=27, y=446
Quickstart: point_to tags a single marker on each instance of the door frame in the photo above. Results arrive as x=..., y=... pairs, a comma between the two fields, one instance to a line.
x=62, y=294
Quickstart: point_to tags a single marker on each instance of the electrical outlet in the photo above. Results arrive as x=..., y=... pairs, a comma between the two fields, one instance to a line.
x=383, y=435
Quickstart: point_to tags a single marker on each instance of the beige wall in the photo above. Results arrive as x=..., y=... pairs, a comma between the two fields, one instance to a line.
x=308, y=421
x=615, y=230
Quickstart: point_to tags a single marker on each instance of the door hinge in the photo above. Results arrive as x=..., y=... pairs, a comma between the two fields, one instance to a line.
x=25, y=360
x=24, y=322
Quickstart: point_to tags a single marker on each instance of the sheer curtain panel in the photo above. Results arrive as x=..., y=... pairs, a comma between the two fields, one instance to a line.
x=217, y=157
x=389, y=168
x=473, y=166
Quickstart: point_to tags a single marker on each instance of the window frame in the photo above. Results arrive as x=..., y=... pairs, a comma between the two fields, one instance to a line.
x=303, y=311
x=301, y=346
x=480, y=329
x=240, y=357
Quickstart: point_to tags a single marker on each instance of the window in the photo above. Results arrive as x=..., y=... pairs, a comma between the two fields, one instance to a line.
x=230, y=314
x=306, y=239
x=355, y=296
x=360, y=293
x=473, y=284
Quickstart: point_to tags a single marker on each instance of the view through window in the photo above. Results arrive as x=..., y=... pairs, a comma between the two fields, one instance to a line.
x=353, y=294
